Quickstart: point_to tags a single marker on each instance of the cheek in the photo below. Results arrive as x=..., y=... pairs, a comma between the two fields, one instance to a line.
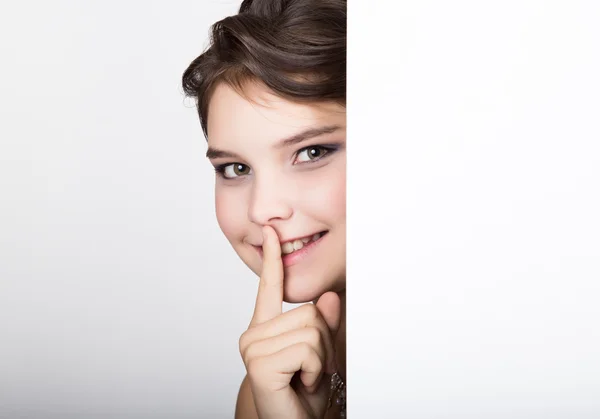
x=231, y=212
x=338, y=196
x=326, y=191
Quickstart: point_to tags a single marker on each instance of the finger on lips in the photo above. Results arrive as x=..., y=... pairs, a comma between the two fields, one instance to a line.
x=284, y=343
x=269, y=300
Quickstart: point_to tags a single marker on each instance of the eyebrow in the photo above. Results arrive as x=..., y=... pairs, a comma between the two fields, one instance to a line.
x=214, y=153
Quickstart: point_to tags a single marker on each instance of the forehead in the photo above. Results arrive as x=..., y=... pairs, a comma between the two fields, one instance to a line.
x=263, y=118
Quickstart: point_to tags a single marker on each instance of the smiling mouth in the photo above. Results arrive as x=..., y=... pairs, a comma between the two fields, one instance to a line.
x=293, y=246
x=298, y=244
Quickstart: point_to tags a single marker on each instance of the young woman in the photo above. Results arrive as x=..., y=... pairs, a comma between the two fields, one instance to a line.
x=271, y=94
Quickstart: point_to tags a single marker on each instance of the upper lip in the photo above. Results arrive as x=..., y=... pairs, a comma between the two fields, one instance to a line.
x=295, y=238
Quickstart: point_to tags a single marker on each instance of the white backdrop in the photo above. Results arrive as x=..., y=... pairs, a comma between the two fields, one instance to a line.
x=119, y=297
x=474, y=275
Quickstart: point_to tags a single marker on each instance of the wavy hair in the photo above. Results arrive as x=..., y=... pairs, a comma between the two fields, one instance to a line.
x=296, y=48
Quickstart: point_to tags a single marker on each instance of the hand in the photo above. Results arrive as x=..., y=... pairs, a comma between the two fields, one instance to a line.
x=289, y=357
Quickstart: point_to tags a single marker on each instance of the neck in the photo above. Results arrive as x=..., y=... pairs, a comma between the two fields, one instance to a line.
x=340, y=340
x=340, y=337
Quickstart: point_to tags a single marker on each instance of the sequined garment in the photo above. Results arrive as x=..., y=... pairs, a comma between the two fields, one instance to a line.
x=338, y=393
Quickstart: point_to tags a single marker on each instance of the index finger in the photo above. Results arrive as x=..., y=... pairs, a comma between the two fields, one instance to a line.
x=269, y=300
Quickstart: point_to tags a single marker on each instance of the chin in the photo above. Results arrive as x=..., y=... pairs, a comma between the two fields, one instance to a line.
x=299, y=288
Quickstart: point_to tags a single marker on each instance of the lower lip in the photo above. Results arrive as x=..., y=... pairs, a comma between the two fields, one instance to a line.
x=298, y=255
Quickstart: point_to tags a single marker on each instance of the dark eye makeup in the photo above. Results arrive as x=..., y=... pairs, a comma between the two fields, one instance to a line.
x=314, y=153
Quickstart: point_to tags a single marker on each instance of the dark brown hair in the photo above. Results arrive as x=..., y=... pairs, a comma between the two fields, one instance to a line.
x=297, y=48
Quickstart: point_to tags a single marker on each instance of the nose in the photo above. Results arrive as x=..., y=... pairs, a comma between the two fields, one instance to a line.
x=269, y=202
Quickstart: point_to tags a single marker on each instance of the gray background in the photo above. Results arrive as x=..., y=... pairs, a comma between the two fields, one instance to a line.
x=119, y=296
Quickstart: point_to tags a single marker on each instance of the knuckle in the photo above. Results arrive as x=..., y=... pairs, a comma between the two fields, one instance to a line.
x=320, y=364
x=306, y=349
x=248, y=354
x=314, y=335
x=243, y=342
x=311, y=312
x=254, y=367
x=316, y=359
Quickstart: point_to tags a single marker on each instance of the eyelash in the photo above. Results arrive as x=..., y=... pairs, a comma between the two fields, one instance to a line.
x=329, y=149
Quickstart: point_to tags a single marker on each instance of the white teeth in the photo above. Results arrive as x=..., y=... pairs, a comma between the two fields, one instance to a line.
x=287, y=248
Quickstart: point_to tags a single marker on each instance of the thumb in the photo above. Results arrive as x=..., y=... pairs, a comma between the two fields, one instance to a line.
x=329, y=306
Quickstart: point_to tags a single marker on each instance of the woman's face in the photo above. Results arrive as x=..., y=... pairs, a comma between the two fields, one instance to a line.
x=282, y=164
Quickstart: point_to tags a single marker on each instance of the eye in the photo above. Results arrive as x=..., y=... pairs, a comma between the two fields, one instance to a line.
x=311, y=153
x=233, y=170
